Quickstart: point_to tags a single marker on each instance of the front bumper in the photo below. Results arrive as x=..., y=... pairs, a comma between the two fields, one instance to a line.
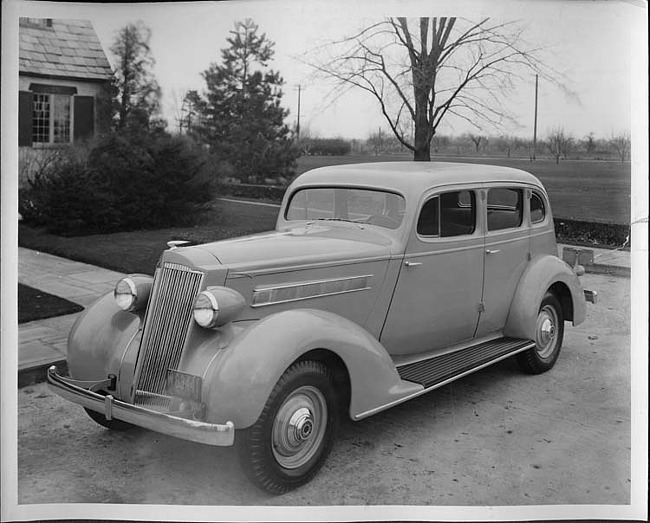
x=192, y=430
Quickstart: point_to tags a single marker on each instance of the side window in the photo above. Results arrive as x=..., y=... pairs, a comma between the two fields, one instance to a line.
x=504, y=209
x=537, y=209
x=429, y=220
x=450, y=214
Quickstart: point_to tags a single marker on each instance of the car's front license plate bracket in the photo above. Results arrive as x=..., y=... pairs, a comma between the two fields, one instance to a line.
x=184, y=385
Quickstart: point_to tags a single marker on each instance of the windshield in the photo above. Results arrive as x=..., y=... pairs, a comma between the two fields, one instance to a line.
x=374, y=207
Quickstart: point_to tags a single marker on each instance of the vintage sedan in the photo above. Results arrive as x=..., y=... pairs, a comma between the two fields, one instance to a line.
x=380, y=283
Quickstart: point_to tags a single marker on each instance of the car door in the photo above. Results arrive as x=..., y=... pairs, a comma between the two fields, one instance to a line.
x=506, y=252
x=437, y=296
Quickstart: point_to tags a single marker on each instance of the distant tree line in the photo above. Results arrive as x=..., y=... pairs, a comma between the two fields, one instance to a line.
x=557, y=144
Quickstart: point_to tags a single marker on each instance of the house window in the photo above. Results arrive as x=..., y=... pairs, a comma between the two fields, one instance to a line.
x=51, y=118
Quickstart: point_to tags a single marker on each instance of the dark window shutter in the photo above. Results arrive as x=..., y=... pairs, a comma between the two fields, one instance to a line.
x=84, y=117
x=25, y=115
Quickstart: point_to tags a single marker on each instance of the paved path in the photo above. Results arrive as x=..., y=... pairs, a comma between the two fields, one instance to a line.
x=43, y=342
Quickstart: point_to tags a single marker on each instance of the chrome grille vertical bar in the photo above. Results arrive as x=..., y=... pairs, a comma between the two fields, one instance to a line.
x=166, y=327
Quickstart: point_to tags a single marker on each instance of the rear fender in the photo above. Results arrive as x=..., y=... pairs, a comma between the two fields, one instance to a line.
x=239, y=381
x=542, y=273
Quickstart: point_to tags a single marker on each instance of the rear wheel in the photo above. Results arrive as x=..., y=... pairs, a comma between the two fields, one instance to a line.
x=549, y=333
x=290, y=441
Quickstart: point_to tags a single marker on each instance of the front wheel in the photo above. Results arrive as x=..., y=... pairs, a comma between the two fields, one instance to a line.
x=549, y=332
x=290, y=441
x=112, y=424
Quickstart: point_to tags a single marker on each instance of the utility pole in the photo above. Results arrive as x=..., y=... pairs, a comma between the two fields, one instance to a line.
x=535, y=125
x=298, y=122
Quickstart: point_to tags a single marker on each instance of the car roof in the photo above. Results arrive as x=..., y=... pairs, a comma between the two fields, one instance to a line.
x=413, y=178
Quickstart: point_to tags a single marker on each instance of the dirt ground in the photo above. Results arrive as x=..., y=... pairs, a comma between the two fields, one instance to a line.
x=496, y=437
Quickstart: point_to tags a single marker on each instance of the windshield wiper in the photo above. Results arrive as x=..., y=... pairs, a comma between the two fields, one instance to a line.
x=341, y=220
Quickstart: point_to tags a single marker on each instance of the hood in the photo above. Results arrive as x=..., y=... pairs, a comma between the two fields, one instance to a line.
x=304, y=245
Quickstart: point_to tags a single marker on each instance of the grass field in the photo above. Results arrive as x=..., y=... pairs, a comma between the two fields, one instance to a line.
x=588, y=190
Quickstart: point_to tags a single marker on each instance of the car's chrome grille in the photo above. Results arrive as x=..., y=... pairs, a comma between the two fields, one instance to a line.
x=166, y=326
x=150, y=400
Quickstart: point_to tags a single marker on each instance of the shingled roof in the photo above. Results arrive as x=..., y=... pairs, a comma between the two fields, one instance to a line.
x=61, y=48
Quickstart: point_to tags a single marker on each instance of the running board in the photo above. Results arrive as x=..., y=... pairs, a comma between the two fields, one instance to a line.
x=441, y=369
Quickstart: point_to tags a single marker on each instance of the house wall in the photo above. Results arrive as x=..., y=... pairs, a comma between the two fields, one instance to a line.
x=32, y=158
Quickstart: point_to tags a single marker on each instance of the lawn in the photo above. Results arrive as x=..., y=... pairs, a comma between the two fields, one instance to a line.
x=138, y=251
x=36, y=305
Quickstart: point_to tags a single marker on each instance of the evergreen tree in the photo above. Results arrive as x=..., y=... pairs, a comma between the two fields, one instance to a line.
x=136, y=94
x=241, y=117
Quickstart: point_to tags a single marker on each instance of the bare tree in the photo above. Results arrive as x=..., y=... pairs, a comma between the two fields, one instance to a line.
x=621, y=143
x=506, y=143
x=559, y=143
x=589, y=143
x=425, y=71
x=377, y=142
x=477, y=140
x=439, y=142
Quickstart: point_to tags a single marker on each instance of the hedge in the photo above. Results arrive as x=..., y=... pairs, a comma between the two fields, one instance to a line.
x=125, y=183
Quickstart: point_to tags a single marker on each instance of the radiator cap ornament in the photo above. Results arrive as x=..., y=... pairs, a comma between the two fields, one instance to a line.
x=173, y=244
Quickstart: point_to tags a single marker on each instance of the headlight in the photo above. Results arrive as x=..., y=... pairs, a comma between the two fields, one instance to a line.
x=206, y=310
x=217, y=306
x=132, y=293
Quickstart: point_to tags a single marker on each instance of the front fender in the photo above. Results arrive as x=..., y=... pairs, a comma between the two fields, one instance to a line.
x=542, y=272
x=240, y=380
x=98, y=339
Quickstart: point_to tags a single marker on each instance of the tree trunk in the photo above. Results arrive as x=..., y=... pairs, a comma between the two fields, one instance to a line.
x=422, y=138
x=423, y=131
x=422, y=155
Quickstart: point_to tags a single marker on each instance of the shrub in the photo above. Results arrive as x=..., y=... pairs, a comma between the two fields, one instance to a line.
x=325, y=146
x=126, y=183
x=66, y=198
x=591, y=233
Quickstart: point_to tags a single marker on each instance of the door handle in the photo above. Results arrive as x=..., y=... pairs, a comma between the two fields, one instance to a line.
x=490, y=251
x=412, y=264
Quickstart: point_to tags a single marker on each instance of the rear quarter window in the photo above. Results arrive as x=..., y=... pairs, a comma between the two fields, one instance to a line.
x=537, y=208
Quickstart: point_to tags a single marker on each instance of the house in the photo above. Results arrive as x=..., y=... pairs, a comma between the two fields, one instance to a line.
x=63, y=73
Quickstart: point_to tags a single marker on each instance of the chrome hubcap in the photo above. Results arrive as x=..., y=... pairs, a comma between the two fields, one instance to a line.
x=546, y=331
x=299, y=427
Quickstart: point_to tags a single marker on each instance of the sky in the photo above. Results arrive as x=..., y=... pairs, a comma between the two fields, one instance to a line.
x=589, y=43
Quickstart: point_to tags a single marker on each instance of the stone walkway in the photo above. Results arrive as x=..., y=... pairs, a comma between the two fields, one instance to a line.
x=42, y=343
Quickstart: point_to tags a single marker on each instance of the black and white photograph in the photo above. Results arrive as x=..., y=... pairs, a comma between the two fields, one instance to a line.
x=293, y=260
